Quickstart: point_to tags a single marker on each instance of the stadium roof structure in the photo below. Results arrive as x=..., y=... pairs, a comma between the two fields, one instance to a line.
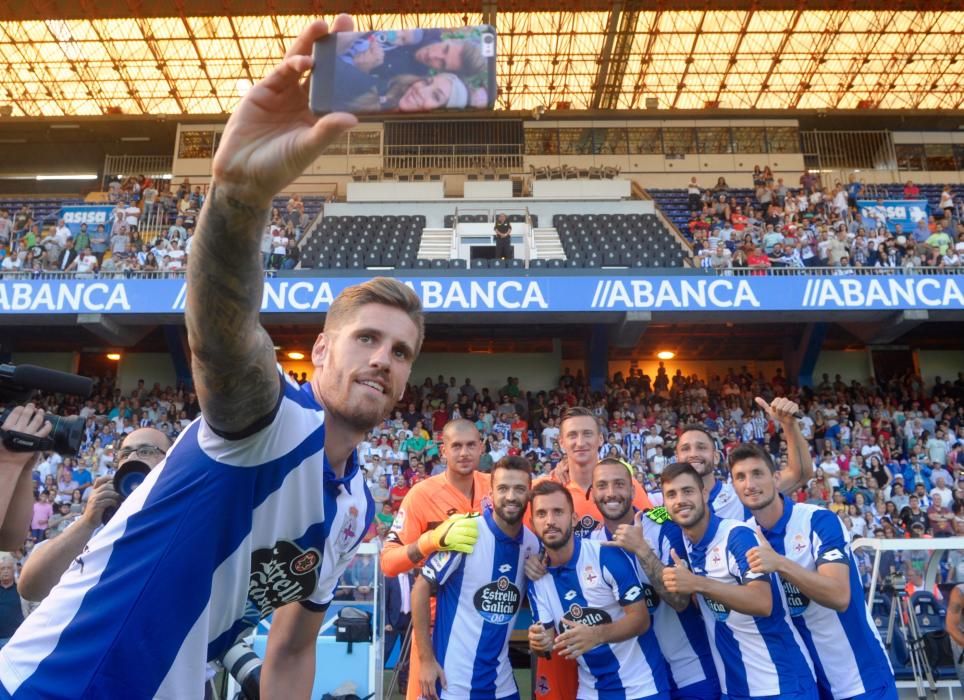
x=67, y=58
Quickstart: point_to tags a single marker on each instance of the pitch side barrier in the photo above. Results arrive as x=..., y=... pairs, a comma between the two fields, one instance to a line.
x=542, y=292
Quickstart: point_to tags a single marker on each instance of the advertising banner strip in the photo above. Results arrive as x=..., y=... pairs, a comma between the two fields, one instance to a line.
x=517, y=294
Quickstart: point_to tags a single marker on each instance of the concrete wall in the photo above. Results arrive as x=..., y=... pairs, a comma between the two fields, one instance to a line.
x=535, y=370
x=703, y=368
x=940, y=363
x=151, y=367
x=849, y=364
x=60, y=361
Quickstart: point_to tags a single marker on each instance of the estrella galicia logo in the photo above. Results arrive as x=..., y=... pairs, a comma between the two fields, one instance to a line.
x=720, y=611
x=498, y=602
x=281, y=575
x=797, y=601
x=586, y=616
x=586, y=525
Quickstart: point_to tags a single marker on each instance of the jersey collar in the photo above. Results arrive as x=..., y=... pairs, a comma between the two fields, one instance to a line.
x=497, y=531
x=714, y=492
x=571, y=564
x=351, y=465
x=710, y=533
x=780, y=526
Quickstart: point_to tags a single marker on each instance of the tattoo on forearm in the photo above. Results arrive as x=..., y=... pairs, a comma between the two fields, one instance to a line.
x=654, y=571
x=233, y=356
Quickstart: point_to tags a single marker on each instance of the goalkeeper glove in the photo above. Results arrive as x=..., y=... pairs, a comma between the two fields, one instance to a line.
x=457, y=534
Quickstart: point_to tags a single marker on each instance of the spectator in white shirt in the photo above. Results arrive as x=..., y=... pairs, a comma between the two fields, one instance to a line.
x=175, y=256
x=62, y=233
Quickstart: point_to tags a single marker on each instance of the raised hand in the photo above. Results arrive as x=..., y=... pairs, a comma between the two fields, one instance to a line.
x=763, y=559
x=272, y=136
x=678, y=578
x=102, y=497
x=780, y=409
x=630, y=538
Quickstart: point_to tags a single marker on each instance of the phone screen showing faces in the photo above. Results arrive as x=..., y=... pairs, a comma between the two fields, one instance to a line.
x=405, y=70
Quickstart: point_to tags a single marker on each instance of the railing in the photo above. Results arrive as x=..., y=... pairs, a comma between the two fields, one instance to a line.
x=58, y=276
x=454, y=158
x=832, y=271
x=155, y=167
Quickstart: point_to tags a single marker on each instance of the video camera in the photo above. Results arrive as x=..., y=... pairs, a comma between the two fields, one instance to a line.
x=17, y=386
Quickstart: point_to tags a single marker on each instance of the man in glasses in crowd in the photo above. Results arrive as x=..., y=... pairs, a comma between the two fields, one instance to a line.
x=50, y=559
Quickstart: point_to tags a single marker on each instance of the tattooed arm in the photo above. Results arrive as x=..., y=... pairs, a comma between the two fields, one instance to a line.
x=271, y=139
x=232, y=355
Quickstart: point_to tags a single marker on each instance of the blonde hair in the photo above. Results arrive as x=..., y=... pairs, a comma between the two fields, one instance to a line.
x=371, y=102
x=378, y=290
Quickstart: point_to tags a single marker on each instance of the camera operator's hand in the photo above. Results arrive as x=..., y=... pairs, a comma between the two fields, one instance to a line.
x=102, y=497
x=28, y=420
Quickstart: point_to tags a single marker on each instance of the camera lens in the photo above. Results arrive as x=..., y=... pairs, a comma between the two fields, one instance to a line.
x=487, y=38
x=67, y=433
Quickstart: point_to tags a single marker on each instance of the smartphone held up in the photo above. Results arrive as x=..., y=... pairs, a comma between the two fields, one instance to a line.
x=405, y=70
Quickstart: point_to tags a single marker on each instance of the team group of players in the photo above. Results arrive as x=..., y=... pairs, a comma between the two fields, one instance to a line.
x=729, y=589
x=261, y=504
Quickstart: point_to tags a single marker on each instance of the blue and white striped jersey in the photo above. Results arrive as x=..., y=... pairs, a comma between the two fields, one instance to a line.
x=688, y=661
x=724, y=503
x=754, y=656
x=478, y=599
x=681, y=635
x=847, y=653
x=592, y=588
x=219, y=535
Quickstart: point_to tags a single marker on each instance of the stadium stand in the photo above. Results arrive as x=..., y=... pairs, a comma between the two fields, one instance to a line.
x=774, y=226
x=617, y=240
x=356, y=242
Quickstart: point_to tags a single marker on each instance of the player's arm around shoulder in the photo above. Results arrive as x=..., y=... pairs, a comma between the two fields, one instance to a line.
x=289, y=663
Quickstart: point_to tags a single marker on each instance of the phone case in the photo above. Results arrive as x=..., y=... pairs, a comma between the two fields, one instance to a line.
x=404, y=71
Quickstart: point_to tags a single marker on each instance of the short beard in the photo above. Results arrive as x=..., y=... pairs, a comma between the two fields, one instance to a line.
x=562, y=543
x=510, y=520
x=626, y=507
x=357, y=422
x=764, y=505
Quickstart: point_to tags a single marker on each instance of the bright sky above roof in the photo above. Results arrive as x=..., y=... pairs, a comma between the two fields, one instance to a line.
x=730, y=59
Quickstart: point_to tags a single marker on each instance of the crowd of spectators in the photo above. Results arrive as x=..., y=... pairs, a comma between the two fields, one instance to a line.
x=889, y=456
x=810, y=225
x=150, y=229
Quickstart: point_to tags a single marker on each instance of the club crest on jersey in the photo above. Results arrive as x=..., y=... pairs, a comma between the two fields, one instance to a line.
x=587, y=524
x=715, y=556
x=542, y=686
x=280, y=575
x=349, y=531
x=589, y=574
x=498, y=602
x=799, y=543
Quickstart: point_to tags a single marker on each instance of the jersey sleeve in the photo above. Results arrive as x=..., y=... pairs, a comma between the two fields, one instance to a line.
x=439, y=567
x=408, y=526
x=740, y=541
x=830, y=542
x=539, y=605
x=620, y=575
